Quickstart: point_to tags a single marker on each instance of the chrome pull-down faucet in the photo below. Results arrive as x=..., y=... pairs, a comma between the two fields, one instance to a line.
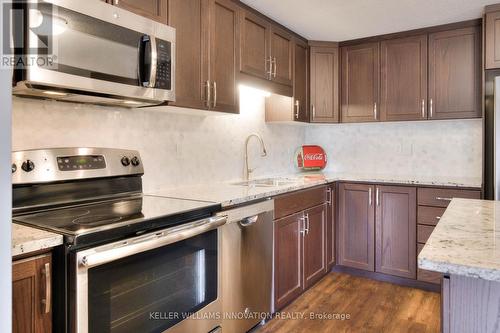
x=263, y=153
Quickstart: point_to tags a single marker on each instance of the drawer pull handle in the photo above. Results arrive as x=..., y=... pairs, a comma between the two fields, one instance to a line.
x=438, y=217
x=443, y=199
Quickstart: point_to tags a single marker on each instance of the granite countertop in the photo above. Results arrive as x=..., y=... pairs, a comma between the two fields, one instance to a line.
x=229, y=194
x=26, y=240
x=466, y=241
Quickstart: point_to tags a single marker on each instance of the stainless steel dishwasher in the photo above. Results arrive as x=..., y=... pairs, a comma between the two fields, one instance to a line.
x=247, y=266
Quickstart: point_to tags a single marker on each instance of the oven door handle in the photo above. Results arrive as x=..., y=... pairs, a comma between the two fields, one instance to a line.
x=112, y=252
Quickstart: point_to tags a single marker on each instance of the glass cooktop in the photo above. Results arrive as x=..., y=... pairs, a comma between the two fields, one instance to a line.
x=101, y=216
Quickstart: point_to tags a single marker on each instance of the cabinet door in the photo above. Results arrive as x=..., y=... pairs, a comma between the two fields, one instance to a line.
x=492, y=40
x=223, y=60
x=31, y=295
x=314, y=244
x=455, y=74
x=282, y=56
x=288, y=241
x=254, y=45
x=324, y=84
x=189, y=19
x=301, y=82
x=356, y=226
x=330, y=227
x=396, y=223
x=152, y=9
x=403, y=79
x=360, y=83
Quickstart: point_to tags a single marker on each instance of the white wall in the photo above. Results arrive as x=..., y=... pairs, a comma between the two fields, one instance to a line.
x=447, y=149
x=5, y=201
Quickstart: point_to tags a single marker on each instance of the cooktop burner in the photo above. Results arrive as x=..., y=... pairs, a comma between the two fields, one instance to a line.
x=101, y=216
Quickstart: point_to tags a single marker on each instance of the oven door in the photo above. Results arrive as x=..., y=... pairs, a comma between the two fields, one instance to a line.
x=151, y=283
x=92, y=51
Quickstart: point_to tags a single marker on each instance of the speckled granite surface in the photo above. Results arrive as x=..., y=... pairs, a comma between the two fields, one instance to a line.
x=229, y=194
x=26, y=240
x=466, y=241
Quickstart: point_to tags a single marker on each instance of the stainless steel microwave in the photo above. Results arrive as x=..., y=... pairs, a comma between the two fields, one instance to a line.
x=91, y=52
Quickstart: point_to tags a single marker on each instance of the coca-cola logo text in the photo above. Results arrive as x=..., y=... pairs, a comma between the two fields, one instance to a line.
x=313, y=157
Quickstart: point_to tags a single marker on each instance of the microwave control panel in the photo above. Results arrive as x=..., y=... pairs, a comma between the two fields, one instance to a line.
x=164, y=67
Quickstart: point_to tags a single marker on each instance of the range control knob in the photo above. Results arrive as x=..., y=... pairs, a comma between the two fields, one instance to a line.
x=135, y=161
x=14, y=168
x=125, y=161
x=28, y=166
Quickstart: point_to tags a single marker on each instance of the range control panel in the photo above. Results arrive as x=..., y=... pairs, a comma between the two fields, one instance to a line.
x=66, y=164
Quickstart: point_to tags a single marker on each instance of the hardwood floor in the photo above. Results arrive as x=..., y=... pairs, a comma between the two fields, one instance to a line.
x=372, y=306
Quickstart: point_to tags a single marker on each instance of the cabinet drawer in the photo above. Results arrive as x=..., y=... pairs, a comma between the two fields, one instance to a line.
x=423, y=233
x=439, y=197
x=295, y=202
x=429, y=215
x=427, y=276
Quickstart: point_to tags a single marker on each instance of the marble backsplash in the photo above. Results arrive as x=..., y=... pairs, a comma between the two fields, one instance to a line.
x=188, y=147
x=177, y=148
x=421, y=149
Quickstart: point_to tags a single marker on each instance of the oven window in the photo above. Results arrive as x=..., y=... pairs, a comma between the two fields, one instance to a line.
x=154, y=290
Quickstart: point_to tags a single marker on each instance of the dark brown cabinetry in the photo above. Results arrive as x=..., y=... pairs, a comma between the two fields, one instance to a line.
x=31, y=295
x=207, y=40
x=492, y=38
x=403, y=88
x=396, y=222
x=330, y=225
x=356, y=226
x=254, y=45
x=324, y=83
x=301, y=81
x=154, y=9
x=281, y=56
x=189, y=20
x=288, y=259
x=455, y=74
x=360, y=83
x=300, y=243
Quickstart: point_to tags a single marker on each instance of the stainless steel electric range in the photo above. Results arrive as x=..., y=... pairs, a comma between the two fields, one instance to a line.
x=130, y=262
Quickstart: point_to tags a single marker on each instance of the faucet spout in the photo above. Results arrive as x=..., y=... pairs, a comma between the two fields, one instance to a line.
x=263, y=153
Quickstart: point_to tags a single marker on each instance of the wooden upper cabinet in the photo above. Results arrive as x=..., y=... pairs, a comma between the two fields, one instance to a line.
x=187, y=17
x=31, y=295
x=396, y=223
x=301, y=82
x=324, y=84
x=360, y=83
x=455, y=74
x=154, y=9
x=403, y=88
x=282, y=56
x=314, y=244
x=492, y=40
x=356, y=226
x=224, y=43
x=254, y=45
x=288, y=243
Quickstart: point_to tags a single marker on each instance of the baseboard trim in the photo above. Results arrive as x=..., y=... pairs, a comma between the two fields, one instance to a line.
x=388, y=278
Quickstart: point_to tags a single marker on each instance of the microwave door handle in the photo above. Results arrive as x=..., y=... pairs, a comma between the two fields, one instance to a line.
x=154, y=63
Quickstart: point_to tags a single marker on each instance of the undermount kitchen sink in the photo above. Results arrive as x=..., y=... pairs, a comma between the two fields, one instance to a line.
x=266, y=182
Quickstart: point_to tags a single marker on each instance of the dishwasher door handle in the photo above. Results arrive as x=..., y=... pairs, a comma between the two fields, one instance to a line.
x=246, y=222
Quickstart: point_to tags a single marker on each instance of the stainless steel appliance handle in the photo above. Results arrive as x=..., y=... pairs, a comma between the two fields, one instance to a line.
x=154, y=63
x=249, y=221
x=111, y=252
x=47, y=301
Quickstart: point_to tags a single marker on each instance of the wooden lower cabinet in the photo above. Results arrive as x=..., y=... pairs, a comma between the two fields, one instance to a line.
x=288, y=283
x=356, y=226
x=31, y=295
x=396, y=220
x=314, y=244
